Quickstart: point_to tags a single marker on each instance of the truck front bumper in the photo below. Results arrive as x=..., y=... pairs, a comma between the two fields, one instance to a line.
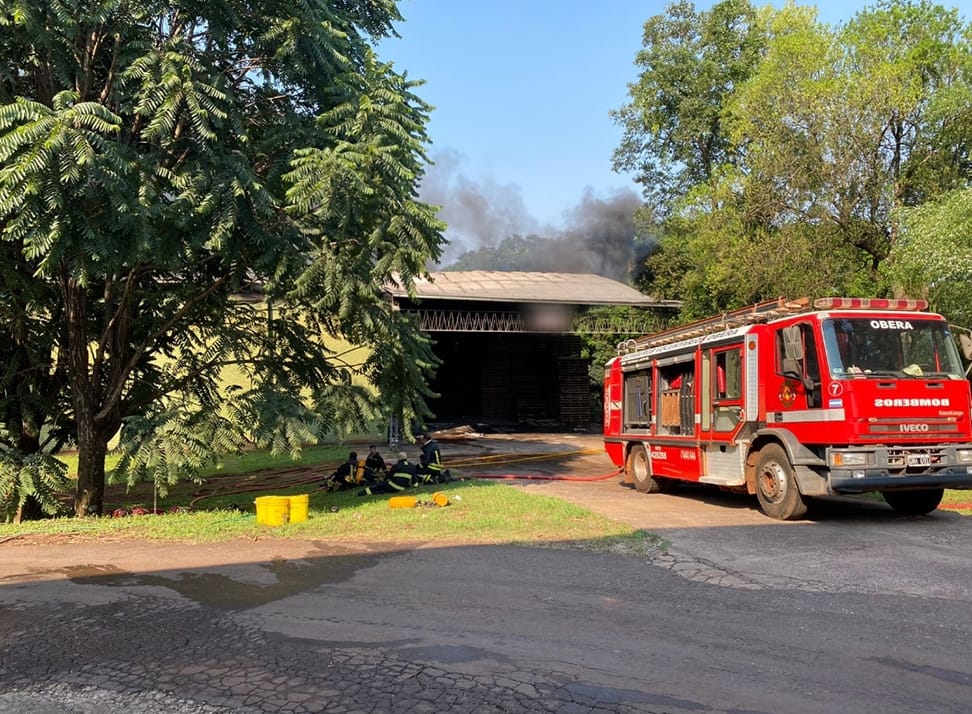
x=863, y=480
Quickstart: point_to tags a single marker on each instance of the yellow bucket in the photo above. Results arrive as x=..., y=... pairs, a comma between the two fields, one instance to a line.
x=272, y=510
x=402, y=501
x=440, y=499
x=298, y=507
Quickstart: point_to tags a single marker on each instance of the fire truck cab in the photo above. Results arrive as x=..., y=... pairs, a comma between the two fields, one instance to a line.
x=791, y=399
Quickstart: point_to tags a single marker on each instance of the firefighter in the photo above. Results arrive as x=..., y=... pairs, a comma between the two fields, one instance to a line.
x=374, y=465
x=344, y=476
x=430, y=462
x=398, y=478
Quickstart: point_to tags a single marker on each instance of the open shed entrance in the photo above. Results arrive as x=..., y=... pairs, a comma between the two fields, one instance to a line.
x=522, y=378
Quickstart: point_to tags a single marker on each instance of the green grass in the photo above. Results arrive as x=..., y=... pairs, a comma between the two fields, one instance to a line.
x=953, y=501
x=477, y=513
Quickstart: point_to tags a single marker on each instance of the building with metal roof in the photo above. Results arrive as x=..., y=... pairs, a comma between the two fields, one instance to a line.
x=500, y=286
x=510, y=342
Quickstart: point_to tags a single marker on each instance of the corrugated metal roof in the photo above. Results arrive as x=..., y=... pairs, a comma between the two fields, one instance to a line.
x=500, y=286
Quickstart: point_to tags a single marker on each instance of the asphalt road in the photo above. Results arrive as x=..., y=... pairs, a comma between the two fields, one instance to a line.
x=854, y=610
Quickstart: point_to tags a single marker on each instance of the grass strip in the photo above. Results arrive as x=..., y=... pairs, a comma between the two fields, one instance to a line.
x=478, y=513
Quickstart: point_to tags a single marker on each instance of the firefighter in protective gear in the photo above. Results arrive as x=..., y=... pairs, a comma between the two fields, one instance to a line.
x=344, y=476
x=399, y=478
x=430, y=462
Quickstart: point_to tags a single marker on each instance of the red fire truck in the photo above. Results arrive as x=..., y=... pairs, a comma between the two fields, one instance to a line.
x=790, y=399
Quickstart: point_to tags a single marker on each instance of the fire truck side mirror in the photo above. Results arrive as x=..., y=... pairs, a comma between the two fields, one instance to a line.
x=965, y=339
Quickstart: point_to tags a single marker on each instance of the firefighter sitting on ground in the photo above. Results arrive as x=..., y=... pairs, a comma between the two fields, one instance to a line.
x=345, y=476
x=430, y=462
x=374, y=465
x=398, y=478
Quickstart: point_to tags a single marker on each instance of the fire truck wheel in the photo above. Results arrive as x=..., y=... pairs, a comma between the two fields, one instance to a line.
x=776, y=488
x=639, y=470
x=914, y=503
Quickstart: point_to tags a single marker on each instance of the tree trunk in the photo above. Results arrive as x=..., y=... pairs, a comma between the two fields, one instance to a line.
x=92, y=448
x=86, y=378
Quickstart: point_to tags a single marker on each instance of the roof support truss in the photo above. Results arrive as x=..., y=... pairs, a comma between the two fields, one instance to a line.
x=475, y=321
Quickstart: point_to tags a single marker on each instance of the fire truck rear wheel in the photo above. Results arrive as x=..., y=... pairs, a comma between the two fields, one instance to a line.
x=638, y=469
x=914, y=503
x=776, y=487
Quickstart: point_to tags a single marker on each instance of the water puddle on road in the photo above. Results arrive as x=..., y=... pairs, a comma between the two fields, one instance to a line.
x=229, y=587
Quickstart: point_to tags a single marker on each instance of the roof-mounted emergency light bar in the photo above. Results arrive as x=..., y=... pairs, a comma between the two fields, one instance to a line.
x=838, y=303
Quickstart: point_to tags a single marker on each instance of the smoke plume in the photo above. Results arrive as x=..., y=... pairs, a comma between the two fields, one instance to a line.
x=600, y=237
x=490, y=227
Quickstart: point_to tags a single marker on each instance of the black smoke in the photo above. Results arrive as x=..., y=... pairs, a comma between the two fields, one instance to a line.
x=490, y=228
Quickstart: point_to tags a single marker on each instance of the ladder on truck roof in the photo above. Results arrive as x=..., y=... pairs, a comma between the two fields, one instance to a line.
x=750, y=315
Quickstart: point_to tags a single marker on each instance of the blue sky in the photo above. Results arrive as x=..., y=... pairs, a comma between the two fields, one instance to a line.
x=522, y=89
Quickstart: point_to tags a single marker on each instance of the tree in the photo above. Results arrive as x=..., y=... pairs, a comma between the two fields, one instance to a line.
x=514, y=252
x=837, y=124
x=32, y=404
x=933, y=259
x=195, y=187
x=691, y=65
x=828, y=133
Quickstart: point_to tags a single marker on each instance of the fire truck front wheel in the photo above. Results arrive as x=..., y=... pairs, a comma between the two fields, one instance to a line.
x=914, y=503
x=776, y=487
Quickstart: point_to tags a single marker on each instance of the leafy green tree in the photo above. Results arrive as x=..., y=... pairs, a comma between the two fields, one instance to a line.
x=514, y=252
x=824, y=138
x=203, y=187
x=32, y=404
x=933, y=258
x=692, y=63
x=598, y=347
x=838, y=127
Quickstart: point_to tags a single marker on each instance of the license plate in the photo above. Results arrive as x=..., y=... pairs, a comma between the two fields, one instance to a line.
x=918, y=460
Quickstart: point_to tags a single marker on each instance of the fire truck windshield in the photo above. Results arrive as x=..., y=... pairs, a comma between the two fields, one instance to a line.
x=884, y=347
